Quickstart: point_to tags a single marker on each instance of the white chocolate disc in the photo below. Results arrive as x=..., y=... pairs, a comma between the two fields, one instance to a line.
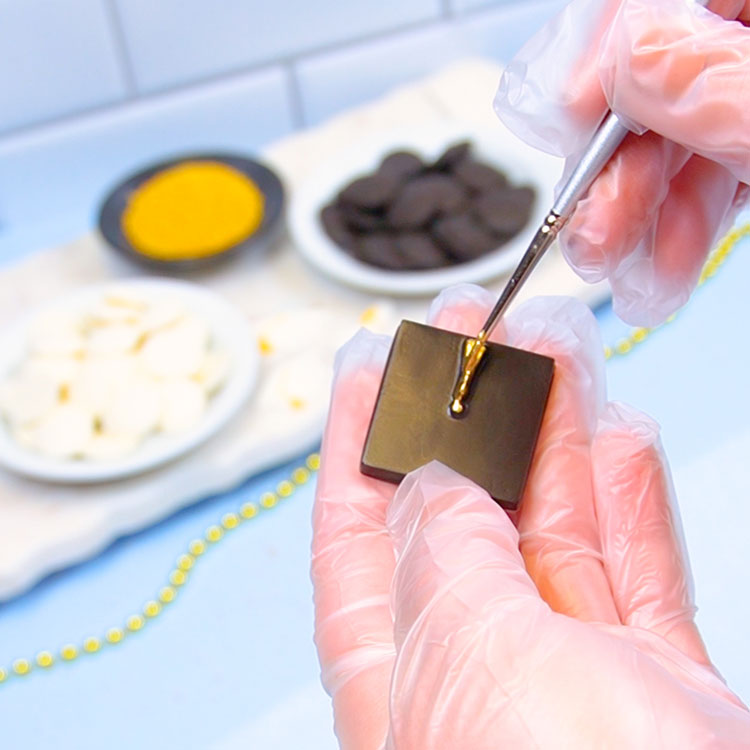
x=135, y=409
x=297, y=385
x=161, y=314
x=289, y=332
x=56, y=335
x=60, y=370
x=99, y=379
x=26, y=400
x=64, y=432
x=176, y=351
x=118, y=338
x=183, y=404
x=214, y=371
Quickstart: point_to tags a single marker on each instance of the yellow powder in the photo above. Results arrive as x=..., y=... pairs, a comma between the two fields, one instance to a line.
x=193, y=210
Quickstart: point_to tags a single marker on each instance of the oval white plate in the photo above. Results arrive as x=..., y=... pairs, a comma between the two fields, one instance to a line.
x=498, y=147
x=229, y=331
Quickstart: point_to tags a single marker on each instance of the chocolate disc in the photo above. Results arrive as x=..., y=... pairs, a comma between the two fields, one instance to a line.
x=379, y=249
x=419, y=251
x=463, y=237
x=423, y=198
x=359, y=220
x=479, y=177
x=370, y=193
x=401, y=165
x=452, y=156
x=333, y=222
x=506, y=212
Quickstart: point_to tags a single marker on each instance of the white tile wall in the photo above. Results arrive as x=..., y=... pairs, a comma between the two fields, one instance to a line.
x=333, y=81
x=55, y=58
x=174, y=41
x=499, y=33
x=329, y=82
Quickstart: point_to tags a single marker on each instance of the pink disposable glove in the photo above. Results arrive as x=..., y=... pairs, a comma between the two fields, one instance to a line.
x=671, y=66
x=441, y=624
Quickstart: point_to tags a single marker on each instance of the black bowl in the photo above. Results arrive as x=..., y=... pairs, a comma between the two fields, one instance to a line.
x=110, y=213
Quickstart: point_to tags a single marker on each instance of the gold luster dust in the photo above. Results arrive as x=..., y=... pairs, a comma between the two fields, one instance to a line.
x=68, y=652
x=192, y=210
x=230, y=521
x=474, y=350
x=167, y=594
x=151, y=608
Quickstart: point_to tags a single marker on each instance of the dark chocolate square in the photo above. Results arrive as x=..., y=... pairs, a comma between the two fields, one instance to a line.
x=492, y=443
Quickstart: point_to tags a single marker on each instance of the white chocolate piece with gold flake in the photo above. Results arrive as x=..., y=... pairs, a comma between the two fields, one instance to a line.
x=61, y=370
x=214, y=371
x=298, y=384
x=117, y=338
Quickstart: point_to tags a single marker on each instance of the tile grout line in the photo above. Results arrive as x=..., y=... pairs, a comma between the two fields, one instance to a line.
x=294, y=92
x=121, y=47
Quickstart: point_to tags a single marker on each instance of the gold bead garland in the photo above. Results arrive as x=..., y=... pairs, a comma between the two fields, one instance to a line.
x=178, y=577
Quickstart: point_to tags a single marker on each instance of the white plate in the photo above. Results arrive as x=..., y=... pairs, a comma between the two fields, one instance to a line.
x=229, y=331
x=498, y=147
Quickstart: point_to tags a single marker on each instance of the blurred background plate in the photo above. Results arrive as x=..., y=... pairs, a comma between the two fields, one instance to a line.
x=113, y=206
x=494, y=146
x=229, y=332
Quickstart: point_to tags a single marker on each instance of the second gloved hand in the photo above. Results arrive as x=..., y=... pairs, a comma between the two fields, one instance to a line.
x=441, y=624
x=682, y=72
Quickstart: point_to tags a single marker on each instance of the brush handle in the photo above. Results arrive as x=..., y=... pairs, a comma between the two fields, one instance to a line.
x=599, y=151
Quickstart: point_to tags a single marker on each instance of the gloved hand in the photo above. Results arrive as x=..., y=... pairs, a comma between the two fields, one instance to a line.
x=441, y=624
x=682, y=72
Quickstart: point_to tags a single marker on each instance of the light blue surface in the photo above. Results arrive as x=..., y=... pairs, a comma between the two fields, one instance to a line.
x=174, y=41
x=50, y=66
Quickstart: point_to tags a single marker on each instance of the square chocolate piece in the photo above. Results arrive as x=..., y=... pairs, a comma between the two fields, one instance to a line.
x=492, y=443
